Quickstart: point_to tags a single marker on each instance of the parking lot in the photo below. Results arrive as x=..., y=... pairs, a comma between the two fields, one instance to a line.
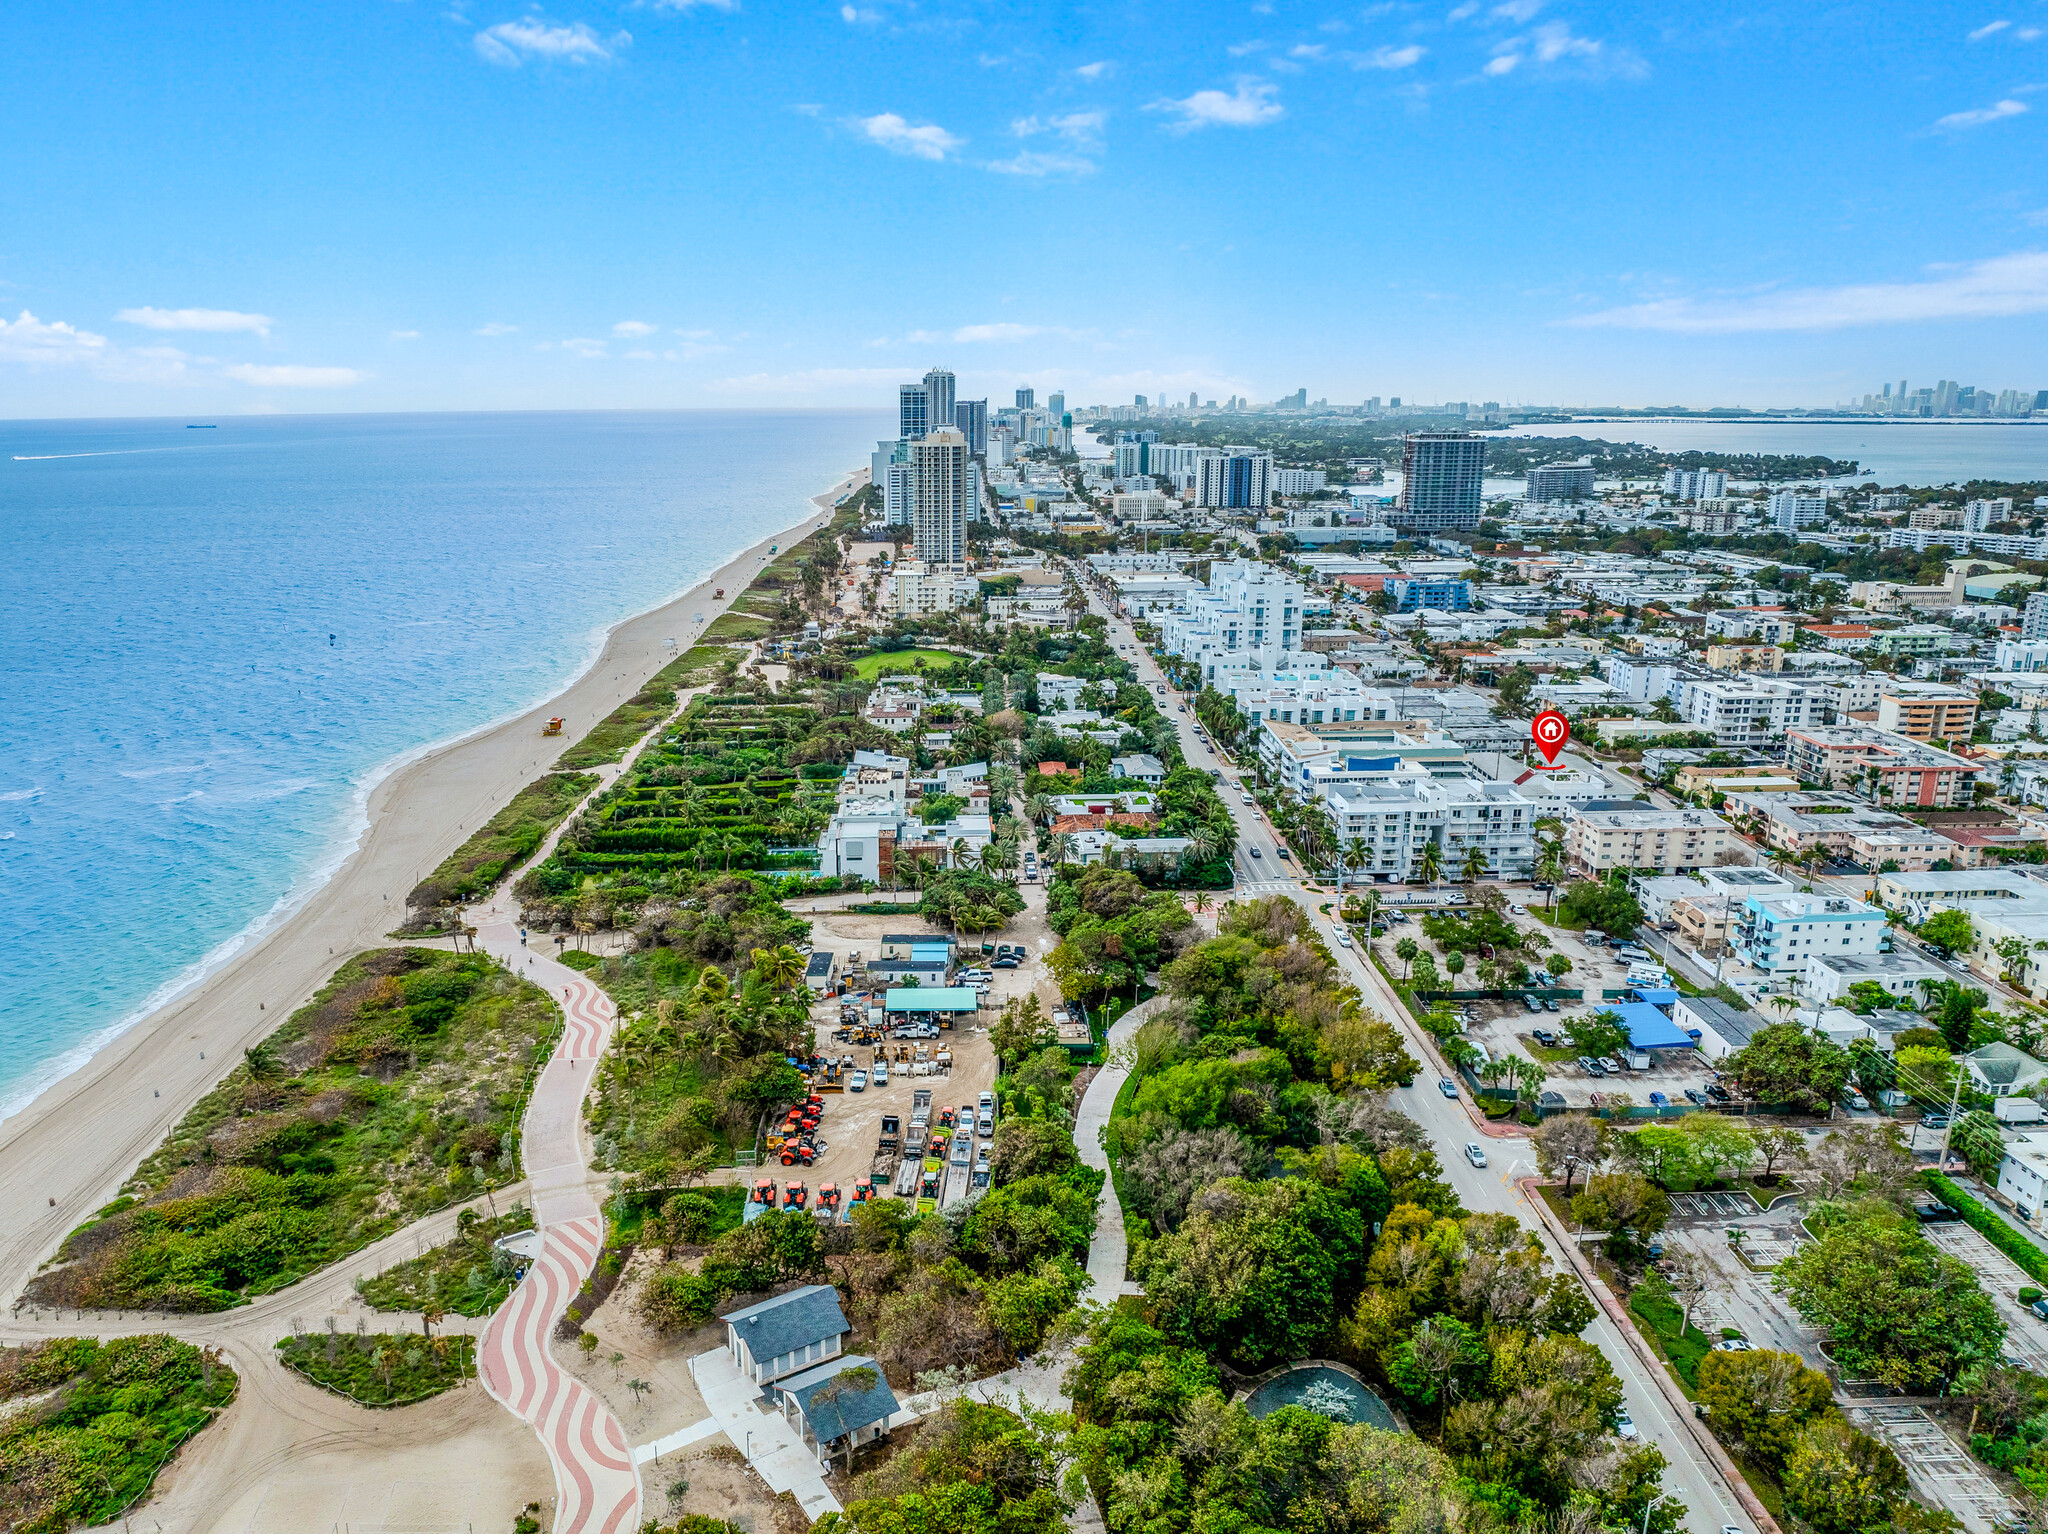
x=1936, y=1465
x=2026, y=1334
x=1713, y=1206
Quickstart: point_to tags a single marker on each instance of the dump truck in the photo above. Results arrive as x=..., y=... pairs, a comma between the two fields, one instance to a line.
x=915, y=1141
x=921, y=1108
x=892, y=1126
x=553, y=726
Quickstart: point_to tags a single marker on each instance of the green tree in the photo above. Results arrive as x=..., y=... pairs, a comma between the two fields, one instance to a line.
x=1896, y=1309
x=1405, y=950
x=1254, y=1272
x=1840, y=1481
x=1597, y=1033
x=1950, y=932
x=1763, y=1398
x=1783, y=1065
x=1627, y=1206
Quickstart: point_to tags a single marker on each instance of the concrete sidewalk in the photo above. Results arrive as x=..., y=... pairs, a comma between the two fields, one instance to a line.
x=770, y=1444
x=1108, y=1253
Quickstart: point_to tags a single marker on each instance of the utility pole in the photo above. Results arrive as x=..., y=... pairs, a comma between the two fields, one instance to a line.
x=1948, y=1129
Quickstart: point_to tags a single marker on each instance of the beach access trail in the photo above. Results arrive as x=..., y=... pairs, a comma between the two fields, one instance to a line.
x=67, y=1153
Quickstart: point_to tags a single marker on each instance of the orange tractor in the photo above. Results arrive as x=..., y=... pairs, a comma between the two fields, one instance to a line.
x=764, y=1192
x=794, y=1195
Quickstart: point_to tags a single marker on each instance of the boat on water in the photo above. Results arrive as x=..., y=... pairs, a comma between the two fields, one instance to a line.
x=207, y=426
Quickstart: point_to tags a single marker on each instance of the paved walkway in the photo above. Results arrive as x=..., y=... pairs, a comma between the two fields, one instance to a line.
x=1108, y=1253
x=771, y=1445
x=597, y=1488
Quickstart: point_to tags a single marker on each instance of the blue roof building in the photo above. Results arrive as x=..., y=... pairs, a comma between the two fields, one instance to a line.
x=1412, y=594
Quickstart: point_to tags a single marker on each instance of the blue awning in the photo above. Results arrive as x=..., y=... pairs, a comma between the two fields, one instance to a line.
x=1659, y=998
x=931, y=998
x=1650, y=1029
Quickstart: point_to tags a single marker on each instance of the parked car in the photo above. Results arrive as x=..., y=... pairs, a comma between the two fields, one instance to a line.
x=1591, y=1066
x=1549, y=1003
x=1551, y=1100
x=1931, y=1211
x=1732, y=1345
x=1519, y=910
x=1696, y=1097
x=1718, y=1092
x=1447, y=1086
x=1856, y=1100
x=1531, y=1002
x=1659, y=1100
x=1475, y=1155
x=1934, y=1121
x=2040, y=1308
x=1544, y=1037
x=858, y=1082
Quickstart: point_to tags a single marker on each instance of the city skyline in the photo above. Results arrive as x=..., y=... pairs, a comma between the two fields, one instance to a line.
x=609, y=205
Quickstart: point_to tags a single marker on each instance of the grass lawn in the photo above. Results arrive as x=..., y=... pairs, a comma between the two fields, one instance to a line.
x=616, y=734
x=506, y=840
x=1659, y=1320
x=868, y=667
x=85, y=1425
x=381, y=1368
x=465, y=1276
x=395, y=1091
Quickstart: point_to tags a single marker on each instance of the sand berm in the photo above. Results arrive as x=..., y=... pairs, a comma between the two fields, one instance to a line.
x=68, y=1152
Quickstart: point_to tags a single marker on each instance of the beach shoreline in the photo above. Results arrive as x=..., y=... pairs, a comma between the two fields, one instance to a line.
x=67, y=1151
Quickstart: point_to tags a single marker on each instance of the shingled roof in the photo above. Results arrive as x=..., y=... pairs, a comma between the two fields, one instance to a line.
x=789, y=1321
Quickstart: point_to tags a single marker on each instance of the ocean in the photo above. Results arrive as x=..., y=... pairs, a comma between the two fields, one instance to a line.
x=216, y=639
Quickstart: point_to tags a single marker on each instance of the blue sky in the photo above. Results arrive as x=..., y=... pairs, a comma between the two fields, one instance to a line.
x=418, y=204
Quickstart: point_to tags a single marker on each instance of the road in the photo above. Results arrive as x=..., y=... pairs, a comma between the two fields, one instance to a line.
x=1691, y=1478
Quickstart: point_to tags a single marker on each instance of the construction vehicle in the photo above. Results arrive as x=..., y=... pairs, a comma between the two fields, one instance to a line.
x=944, y=1062
x=802, y=1152
x=915, y=1141
x=921, y=1108
x=864, y=1190
x=928, y=1179
x=828, y=1200
x=892, y=1126
x=946, y=1118
x=981, y=1168
x=764, y=1192
x=828, y=1079
x=906, y=1179
x=794, y=1195
x=552, y=727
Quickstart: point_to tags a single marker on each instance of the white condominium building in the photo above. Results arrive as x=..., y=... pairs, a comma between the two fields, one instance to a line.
x=1744, y=711
x=944, y=497
x=1249, y=617
x=1306, y=697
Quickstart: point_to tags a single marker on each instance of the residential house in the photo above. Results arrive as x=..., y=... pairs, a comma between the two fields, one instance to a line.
x=2000, y=1070
x=1139, y=768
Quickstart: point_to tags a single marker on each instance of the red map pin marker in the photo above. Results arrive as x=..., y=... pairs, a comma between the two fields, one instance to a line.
x=1550, y=730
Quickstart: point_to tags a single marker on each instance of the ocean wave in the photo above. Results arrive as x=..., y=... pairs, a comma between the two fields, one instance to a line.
x=15, y=796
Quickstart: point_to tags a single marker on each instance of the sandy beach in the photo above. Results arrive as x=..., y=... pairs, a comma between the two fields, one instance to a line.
x=67, y=1153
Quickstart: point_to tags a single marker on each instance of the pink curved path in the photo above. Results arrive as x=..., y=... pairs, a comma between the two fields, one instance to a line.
x=597, y=1490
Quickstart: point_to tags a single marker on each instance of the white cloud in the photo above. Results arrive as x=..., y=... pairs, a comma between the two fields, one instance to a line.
x=1310, y=51
x=1095, y=71
x=1250, y=106
x=1957, y=121
x=633, y=329
x=1464, y=12
x=1554, y=41
x=497, y=328
x=1502, y=65
x=292, y=376
x=405, y=335
x=928, y=142
x=1518, y=11
x=1388, y=58
x=583, y=346
x=1033, y=162
x=691, y=5
x=1987, y=29
x=1074, y=127
x=196, y=319
x=28, y=339
x=853, y=16
x=1239, y=50
x=510, y=43
x=2001, y=286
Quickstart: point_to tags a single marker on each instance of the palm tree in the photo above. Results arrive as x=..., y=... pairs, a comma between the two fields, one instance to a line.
x=963, y=854
x=1202, y=901
x=782, y=966
x=1475, y=864
x=1060, y=848
x=1038, y=809
x=1357, y=855
x=1405, y=951
x=1430, y=863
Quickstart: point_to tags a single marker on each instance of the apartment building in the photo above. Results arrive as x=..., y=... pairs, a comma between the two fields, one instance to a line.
x=1248, y=618
x=1306, y=697
x=1927, y=712
x=1780, y=933
x=1748, y=710
x=1838, y=825
x=1392, y=809
x=1644, y=837
x=1888, y=768
x=1770, y=625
